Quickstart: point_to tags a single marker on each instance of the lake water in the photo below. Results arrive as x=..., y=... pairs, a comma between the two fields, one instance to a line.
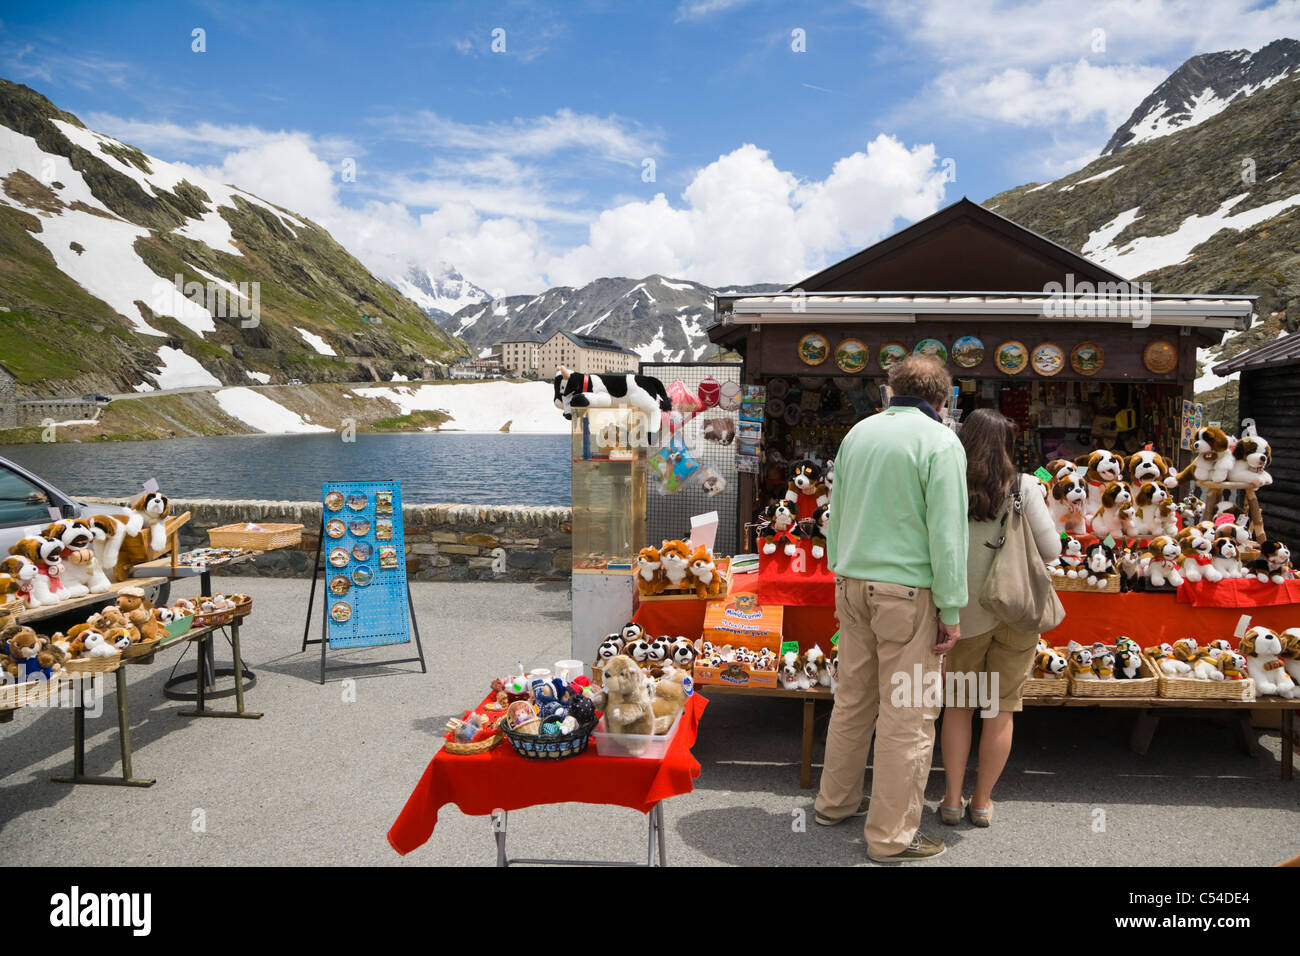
x=433, y=468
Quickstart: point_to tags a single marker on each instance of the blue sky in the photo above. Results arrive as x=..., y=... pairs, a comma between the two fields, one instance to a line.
x=529, y=166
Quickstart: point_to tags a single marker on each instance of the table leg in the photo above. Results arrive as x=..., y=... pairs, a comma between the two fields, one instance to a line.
x=659, y=814
x=499, y=831
x=1288, y=743
x=650, y=834
x=124, y=740
x=1144, y=728
x=201, y=711
x=805, y=757
x=1249, y=739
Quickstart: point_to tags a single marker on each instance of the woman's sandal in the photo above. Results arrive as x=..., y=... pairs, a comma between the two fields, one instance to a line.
x=979, y=818
x=950, y=816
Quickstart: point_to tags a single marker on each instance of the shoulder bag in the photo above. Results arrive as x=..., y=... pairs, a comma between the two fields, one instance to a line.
x=1018, y=590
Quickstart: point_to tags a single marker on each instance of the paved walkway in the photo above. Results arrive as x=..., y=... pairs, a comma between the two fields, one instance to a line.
x=319, y=780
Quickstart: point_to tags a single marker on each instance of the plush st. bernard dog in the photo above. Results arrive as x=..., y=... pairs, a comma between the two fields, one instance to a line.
x=1213, y=459
x=1250, y=457
x=1273, y=563
x=1262, y=649
x=1101, y=468
x=1147, y=465
x=153, y=509
x=1154, y=511
x=1165, y=555
x=82, y=564
x=1226, y=558
x=1117, y=515
x=46, y=554
x=1067, y=502
x=1198, y=556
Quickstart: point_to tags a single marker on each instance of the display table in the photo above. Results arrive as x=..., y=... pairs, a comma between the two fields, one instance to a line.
x=501, y=780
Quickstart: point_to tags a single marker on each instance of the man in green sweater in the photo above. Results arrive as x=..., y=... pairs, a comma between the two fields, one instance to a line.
x=896, y=543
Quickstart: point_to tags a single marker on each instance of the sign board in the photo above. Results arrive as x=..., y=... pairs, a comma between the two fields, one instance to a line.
x=365, y=564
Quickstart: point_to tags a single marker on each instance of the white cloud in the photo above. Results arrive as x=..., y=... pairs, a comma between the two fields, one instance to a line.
x=700, y=9
x=197, y=140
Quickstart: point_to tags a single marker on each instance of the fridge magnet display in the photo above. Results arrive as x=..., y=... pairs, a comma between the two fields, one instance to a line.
x=814, y=349
x=339, y=584
x=778, y=388
x=933, y=348
x=891, y=353
x=362, y=551
x=387, y=558
x=335, y=527
x=383, y=530
x=362, y=576
x=1048, y=359
x=851, y=356
x=729, y=396
x=1012, y=357
x=339, y=557
x=1160, y=357
x=968, y=351
x=341, y=611
x=384, y=503
x=357, y=502
x=334, y=500
x=1087, y=358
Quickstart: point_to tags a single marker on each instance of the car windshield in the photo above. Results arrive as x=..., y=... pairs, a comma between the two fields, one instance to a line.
x=21, y=501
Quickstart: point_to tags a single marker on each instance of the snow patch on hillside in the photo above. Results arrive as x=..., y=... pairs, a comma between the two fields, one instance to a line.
x=256, y=410
x=181, y=370
x=261, y=378
x=679, y=286
x=482, y=406
x=315, y=341
x=652, y=349
x=1090, y=179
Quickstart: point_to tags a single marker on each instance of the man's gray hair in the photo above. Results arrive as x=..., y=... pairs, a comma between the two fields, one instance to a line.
x=920, y=376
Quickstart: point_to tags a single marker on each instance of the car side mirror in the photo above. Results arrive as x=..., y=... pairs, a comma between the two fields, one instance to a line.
x=68, y=510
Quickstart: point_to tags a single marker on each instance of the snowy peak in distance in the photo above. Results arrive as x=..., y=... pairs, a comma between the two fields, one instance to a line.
x=1203, y=87
x=660, y=318
x=439, y=291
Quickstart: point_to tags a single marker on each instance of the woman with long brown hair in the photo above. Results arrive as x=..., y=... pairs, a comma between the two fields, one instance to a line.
x=996, y=656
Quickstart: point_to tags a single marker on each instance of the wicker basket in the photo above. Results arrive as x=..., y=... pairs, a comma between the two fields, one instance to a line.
x=479, y=747
x=94, y=665
x=270, y=537
x=243, y=604
x=1062, y=583
x=139, y=649
x=213, y=618
x=1145, y=685
x=13, y=696
x=543, y=747
x=1044, y=686
x=1193, y=688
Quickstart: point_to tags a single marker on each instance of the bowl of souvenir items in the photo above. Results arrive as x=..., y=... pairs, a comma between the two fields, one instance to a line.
x=543, y=717
x=214, y=611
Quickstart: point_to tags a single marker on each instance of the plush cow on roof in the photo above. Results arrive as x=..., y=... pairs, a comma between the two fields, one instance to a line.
x=579, y=390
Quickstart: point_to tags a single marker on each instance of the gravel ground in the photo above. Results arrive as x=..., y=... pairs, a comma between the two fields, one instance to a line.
x=320, y=778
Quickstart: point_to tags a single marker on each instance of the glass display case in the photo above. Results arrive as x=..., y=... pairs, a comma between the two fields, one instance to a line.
x=608, y=487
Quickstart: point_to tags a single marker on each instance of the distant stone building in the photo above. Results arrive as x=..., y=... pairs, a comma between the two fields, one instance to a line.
x=520, y=355
x=8, y=399
x=583, y=353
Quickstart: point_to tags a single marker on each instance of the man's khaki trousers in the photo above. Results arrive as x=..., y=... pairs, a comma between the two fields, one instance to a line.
x=886, y=631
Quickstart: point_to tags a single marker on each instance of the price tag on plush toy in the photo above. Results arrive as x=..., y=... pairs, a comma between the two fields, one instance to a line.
x=789, y=647
x=835, y=639
x=151, y=485
x=1043, y=474
x=1243, y=625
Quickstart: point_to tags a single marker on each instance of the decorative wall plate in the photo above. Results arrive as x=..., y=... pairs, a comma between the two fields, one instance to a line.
x=777, y=387
x=1012, y=357
x=933, y=348
x=729, y=396
x=356, y=502
x=340, y=584
x=335, y=527
x=814, y=349
x=359, y=528
x=1048, y=359
x=362, y=576
x=362, y=551
x=891, y=353
x=341, y=611
x=968, y=351
x=1160, y=356
x=339, y=557
x=852, y=356
x=1087, y=358
x=334, y=500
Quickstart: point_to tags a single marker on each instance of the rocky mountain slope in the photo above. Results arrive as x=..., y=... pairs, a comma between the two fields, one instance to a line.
x=1204, y=86
x=1213, y=208
x=661, y=319
x=440, y=291
x=93, y=234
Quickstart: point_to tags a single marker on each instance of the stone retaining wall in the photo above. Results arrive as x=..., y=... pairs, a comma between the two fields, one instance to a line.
x=443, y=542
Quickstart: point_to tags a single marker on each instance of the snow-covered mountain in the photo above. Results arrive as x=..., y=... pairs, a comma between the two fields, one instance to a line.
x=1203, y=87
x=440, y=291
x=123, y=272
x=661, y=319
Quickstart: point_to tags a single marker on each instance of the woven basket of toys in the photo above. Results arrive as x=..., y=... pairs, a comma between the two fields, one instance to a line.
x=1144, y=685
x=14, y=695
x=1195, y=688
x=243, y=604
x=94, y=665
x=473, y=747
x=1044, y=686
x=139, y=649
x=1062, y=583
x=214, y=618
x=536, y=746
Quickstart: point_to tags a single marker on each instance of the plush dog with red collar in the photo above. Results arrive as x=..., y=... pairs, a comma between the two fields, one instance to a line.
x=1147, y=465
x=1262, y=649
x=1166, y=555
x=1273, y=563
x=1167, y=661
x=1070, y=562
x=1153, y=511
x=81, y=560
x=1198, y=556
x=821, y=520
x=1250, y=457
x=20, y=576
x=1213, y=460
x=1068, y=503
x=1101, y=467
x=806, y=479
x=46, y=554
x=780, y=522
x=1226, y=558
x=1117, y=515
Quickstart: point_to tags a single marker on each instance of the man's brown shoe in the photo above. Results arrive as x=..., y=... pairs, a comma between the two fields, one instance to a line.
x=922, y=848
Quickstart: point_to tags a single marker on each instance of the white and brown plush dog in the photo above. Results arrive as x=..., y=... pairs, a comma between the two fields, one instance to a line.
x=1226, y=558
x=675, y=560
x=1154, y=511
x=1101, y=467
x=1048, y=663
x=682, y=653
x=153, y=507
x=46, y=554
x=1166, y=555
x=1147, y=465
x=1070, y=562
x=1061, y=467
x=1080, y=665
x=1232, y=665
x=21, y=577
x=1250, y=457
x=1168, y=661
x=1273, y=563
x=1068, y=502
x=81, y=560
x=1213, y=459
x=791, y=674
x=1198, y=556
x=1117, y=515
x=1262, y=649
x=1291, y=652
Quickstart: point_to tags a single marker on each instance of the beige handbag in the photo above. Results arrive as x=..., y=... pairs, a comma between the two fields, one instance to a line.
x=1018, y=590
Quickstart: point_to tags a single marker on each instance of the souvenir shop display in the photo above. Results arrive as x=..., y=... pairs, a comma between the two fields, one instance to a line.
x=932, y=348
x=814, y=349
x=968, y=351
x=852, y=356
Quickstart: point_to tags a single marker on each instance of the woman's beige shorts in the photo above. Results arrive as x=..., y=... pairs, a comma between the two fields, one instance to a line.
x=1001, y=651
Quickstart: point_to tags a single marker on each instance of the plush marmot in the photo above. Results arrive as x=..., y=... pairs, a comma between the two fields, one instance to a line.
x=628, y=708
x=670, y=699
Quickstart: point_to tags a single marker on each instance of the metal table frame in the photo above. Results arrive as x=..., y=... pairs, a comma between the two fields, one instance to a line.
x=655, y=851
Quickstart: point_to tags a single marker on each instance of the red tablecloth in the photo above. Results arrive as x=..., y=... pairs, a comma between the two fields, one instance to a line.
x=502, y=780
x=1147, y=618
x=779, y=583
x=1240, y=593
